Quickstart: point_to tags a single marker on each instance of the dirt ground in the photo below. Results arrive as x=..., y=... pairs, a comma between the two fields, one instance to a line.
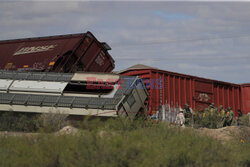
x=227, y=133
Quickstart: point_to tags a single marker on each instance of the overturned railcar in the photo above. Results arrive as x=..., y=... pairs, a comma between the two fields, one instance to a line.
x=61, y=53
x=79, y=94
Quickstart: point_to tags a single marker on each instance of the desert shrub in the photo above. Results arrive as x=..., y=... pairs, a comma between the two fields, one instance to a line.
x=51, y=122
x=27, y=122
x=13, y=121
x=143, y=145
x=119, y=123
x=127, y=124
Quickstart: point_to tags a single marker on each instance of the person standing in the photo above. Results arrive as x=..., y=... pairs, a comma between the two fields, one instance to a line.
x=212, y=109
x=238, y=117
x=180, y=119
x=188, y=115
x=222, y=115
x=229, y=116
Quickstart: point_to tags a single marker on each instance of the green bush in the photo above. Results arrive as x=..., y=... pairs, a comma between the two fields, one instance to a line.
x=12, y=121
x=51, y=122
x=119, y=142
x=27, y=122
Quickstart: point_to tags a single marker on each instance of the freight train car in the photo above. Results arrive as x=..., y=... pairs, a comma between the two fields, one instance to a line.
x=177, y=89
x=245, y=92
x=76, y=94
x=64, y=53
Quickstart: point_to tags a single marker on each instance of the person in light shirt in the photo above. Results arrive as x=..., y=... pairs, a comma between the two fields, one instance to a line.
x=180, y=118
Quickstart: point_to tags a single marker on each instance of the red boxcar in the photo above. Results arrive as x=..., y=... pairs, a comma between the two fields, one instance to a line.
x=64, y=53
x=245, y=91
x=177, y=89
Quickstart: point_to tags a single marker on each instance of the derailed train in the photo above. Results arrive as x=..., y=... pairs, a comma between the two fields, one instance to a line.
x=43, y=91
x=94, y=94
x=62, y=53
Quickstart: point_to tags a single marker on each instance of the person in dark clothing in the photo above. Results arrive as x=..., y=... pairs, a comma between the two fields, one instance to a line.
x=238, y=117
x=239, y=113
x=188, y=115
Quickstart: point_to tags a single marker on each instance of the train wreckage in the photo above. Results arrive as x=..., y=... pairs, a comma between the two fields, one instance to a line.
x=84, y=93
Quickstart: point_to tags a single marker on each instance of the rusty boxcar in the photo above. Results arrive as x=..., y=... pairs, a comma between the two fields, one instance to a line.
x=63, y=53
x=176, y=89
x=245, y=92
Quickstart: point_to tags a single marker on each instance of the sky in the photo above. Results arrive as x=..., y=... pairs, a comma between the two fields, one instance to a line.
x=206, y=39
